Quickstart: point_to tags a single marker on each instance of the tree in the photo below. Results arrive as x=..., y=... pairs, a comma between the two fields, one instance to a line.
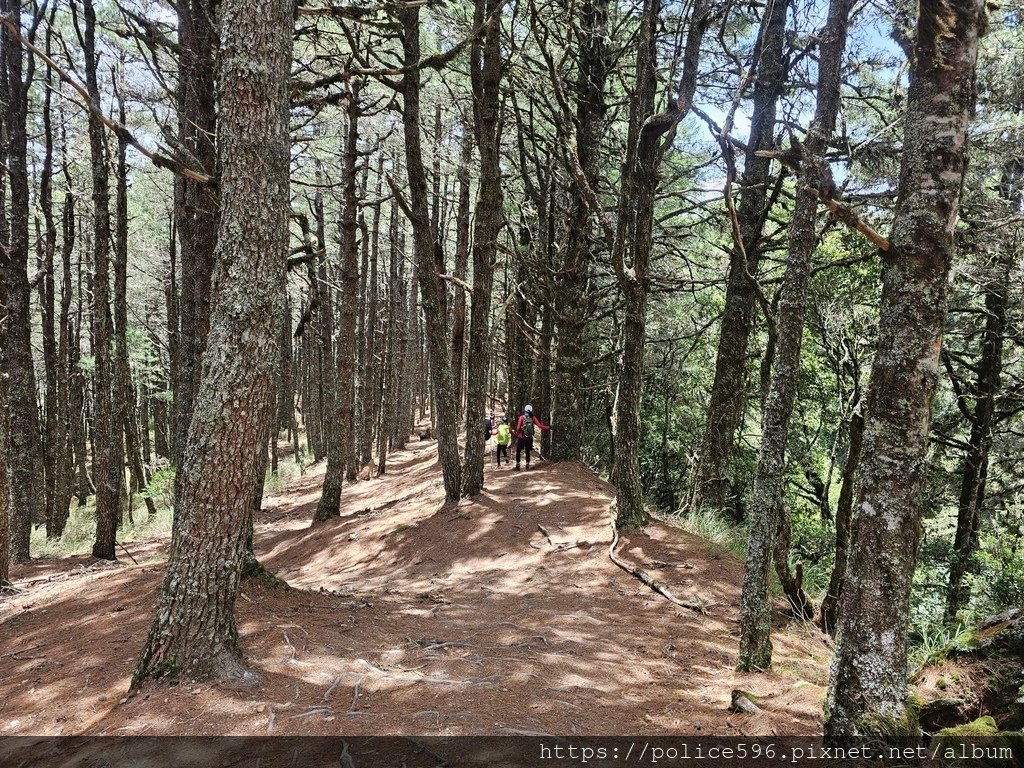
x=486, y=65
x=868, y=696
x=341, y=450
x=814, y=182
x=714, y=484
x=108, y=454
x=26, y=475
x=429, y=260
x=194, y=632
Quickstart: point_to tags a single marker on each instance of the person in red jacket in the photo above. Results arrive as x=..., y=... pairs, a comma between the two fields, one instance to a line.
x=524, y=432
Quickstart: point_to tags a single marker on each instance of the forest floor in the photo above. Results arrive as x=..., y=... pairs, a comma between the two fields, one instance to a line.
x=405, y=617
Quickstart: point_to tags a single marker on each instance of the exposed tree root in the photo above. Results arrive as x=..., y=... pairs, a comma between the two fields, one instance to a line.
x=698, y=604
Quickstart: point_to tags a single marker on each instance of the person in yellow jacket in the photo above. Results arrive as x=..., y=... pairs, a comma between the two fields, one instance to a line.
x=504, y=434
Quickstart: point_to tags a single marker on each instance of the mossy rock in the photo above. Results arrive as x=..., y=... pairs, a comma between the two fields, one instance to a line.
x=983, y=726
x=979, y=743
x=941, y=713
x=903, y=730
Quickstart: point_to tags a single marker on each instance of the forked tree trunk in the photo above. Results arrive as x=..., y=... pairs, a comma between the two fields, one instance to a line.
x=868, y=695
x=829, y=614
x=766, y=512
x=194, y=635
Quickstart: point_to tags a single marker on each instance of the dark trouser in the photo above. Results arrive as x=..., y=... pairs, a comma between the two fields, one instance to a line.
x=503, y=451
x=524, y=443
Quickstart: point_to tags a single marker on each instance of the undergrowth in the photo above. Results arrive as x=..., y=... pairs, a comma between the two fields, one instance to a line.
x=80, y=529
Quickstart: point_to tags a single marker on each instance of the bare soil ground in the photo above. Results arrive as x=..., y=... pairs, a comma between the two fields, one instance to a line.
x=409, y=618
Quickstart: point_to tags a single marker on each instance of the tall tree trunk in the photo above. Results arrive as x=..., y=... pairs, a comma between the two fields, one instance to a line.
x=983, y=422
x=372, y=353
x=194, y=633
x=427, y=255
x=65, y=395
x=573, y=303
x=196, y=209
x=125, y=403
x=486, y=66
x=24, y=457
x=844, y=522
x=53, y=455
x=649, y=137
x=462, y=224
x=108, y=456
x=712, y=484
x=868, y=696
x=341, y=452
x=767, y=514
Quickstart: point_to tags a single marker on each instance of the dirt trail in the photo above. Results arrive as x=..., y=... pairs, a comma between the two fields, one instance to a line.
x=411, y=619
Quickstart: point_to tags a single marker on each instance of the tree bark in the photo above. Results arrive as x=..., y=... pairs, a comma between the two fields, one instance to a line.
x=341, y=453
x=194, y=635
x=426, y=254
x=108, y=455
x=196, y=208
x=25, y=460
x=766, y=512
x=712, y=484
x=649, y=137
x=974, y=469
x=573, y=304
x=868, y=696
x=486, y=67
x=462, y=222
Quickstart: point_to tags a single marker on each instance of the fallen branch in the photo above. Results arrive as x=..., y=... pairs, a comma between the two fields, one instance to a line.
x=122, y=546
x=699, y=605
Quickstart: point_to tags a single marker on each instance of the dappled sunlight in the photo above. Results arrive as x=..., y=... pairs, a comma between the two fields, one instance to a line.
x=502, y=613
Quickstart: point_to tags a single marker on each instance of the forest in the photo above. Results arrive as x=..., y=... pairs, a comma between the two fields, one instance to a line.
x=524, y=367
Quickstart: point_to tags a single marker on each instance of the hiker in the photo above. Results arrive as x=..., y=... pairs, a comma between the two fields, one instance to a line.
x=488, y=428
x=504, y=433
x=524, y=432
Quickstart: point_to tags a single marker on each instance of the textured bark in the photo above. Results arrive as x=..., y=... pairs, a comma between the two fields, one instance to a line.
x=974, y=469
x=125, y=403
x=426, y=253
x=829, y=615
x=108, y=456
x=53, y=444
x=462, y=218
x=372, y=376
x=868, y=695
x=390, y=374
x=5, y=484
x=573, y=302
x=194, y=635
x=341, y=453
x=64, y=471
x=486, y=66
x=649, y=137
x=766, y=512
x=713, y=482
x=25, y=459
x=196, y=207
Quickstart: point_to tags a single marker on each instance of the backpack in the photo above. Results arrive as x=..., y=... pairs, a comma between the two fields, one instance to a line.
x=528, y=427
